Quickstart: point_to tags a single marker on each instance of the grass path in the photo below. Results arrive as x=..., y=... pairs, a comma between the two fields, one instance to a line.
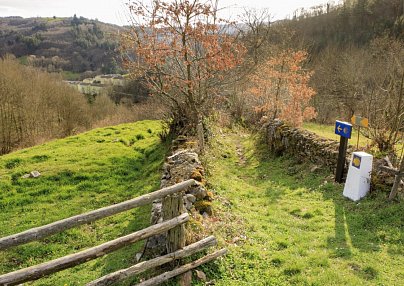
x=286, y=224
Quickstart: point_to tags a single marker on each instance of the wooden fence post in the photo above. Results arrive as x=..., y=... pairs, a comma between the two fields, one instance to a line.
x=173, y=206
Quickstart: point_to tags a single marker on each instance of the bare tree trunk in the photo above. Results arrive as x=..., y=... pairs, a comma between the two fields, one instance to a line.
x=397, y=181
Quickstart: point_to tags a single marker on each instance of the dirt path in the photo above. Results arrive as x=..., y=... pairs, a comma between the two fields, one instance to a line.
x=240, y=153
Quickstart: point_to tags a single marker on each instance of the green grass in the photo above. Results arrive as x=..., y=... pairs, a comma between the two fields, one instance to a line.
x=51, y=19
x=285, y=225
x=69, y=75
x=328, y=131
x=23, y=60
x=79, y=174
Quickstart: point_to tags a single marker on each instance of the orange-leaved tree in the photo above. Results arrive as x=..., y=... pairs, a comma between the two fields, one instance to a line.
x=280, y=88
x=182, y=50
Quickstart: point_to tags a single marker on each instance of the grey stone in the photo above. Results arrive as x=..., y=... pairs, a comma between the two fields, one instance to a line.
x=190, y=198
x=315, y=169
x=201, y=275
x=188, y=205
x=199, y=192
x=180, y=166
x=35, y=174
x=138, y=256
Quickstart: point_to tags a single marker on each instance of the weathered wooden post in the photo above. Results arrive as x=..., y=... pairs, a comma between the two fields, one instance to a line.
x=173, y=206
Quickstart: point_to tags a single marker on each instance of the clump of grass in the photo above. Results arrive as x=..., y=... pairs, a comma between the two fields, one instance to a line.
x=369, y=273
x=40, y=158
x=124, y=142
x=291, y=271
x=13, y=163
x=308, y=215
x=139, y=136
x=281, y=245
x=276, y=262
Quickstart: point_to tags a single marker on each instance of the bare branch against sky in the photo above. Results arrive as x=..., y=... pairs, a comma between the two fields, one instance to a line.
x=115, y=11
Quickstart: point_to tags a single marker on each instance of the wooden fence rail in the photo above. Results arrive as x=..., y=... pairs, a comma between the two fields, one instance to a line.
x=38, y=271
x=38, y=233
x=174, y=218
x=183, y=269
x=118, y=276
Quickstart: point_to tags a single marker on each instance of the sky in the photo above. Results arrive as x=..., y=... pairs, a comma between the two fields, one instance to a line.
x=115, y=11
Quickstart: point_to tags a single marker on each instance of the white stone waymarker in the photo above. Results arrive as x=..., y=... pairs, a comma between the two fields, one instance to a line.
x=357, y=183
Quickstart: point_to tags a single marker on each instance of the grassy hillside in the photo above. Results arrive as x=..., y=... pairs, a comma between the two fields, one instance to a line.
x=286, y=225
x=79, y=174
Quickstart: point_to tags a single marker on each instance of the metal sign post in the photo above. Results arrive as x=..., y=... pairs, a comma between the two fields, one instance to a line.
x=343, y=129
x=360, y=122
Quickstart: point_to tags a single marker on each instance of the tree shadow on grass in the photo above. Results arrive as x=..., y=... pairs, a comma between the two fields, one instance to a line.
x=366, y=224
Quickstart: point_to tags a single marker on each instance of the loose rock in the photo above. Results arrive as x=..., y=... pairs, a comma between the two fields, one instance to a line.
x=201, y=275
x=35, y=174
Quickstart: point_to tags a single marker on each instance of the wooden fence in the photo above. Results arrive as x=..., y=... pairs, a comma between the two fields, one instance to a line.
x=173, y=225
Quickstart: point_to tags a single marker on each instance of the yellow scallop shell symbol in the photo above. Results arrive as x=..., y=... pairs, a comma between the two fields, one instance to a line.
x=356, y=162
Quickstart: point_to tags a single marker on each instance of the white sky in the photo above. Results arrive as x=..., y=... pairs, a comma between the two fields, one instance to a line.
x=114, y=11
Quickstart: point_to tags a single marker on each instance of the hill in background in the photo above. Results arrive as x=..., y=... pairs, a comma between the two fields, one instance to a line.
x=74, y=44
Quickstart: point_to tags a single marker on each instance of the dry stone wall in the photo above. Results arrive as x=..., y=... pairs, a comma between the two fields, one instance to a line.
x=303, y=144
x=307, y=146
x=183, y=164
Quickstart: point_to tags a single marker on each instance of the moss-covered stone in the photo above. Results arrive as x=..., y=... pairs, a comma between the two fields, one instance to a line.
x=204, y=206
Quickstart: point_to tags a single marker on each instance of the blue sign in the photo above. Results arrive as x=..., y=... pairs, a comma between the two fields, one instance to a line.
x=343, y=129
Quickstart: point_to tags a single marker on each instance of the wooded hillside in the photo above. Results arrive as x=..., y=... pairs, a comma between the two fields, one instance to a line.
x=73, y=44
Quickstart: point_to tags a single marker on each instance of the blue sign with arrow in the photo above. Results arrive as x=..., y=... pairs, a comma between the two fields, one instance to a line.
x=343, y=129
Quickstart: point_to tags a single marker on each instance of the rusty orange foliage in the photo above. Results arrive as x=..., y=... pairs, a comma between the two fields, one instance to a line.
x=280, y=88
x=181, y=50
